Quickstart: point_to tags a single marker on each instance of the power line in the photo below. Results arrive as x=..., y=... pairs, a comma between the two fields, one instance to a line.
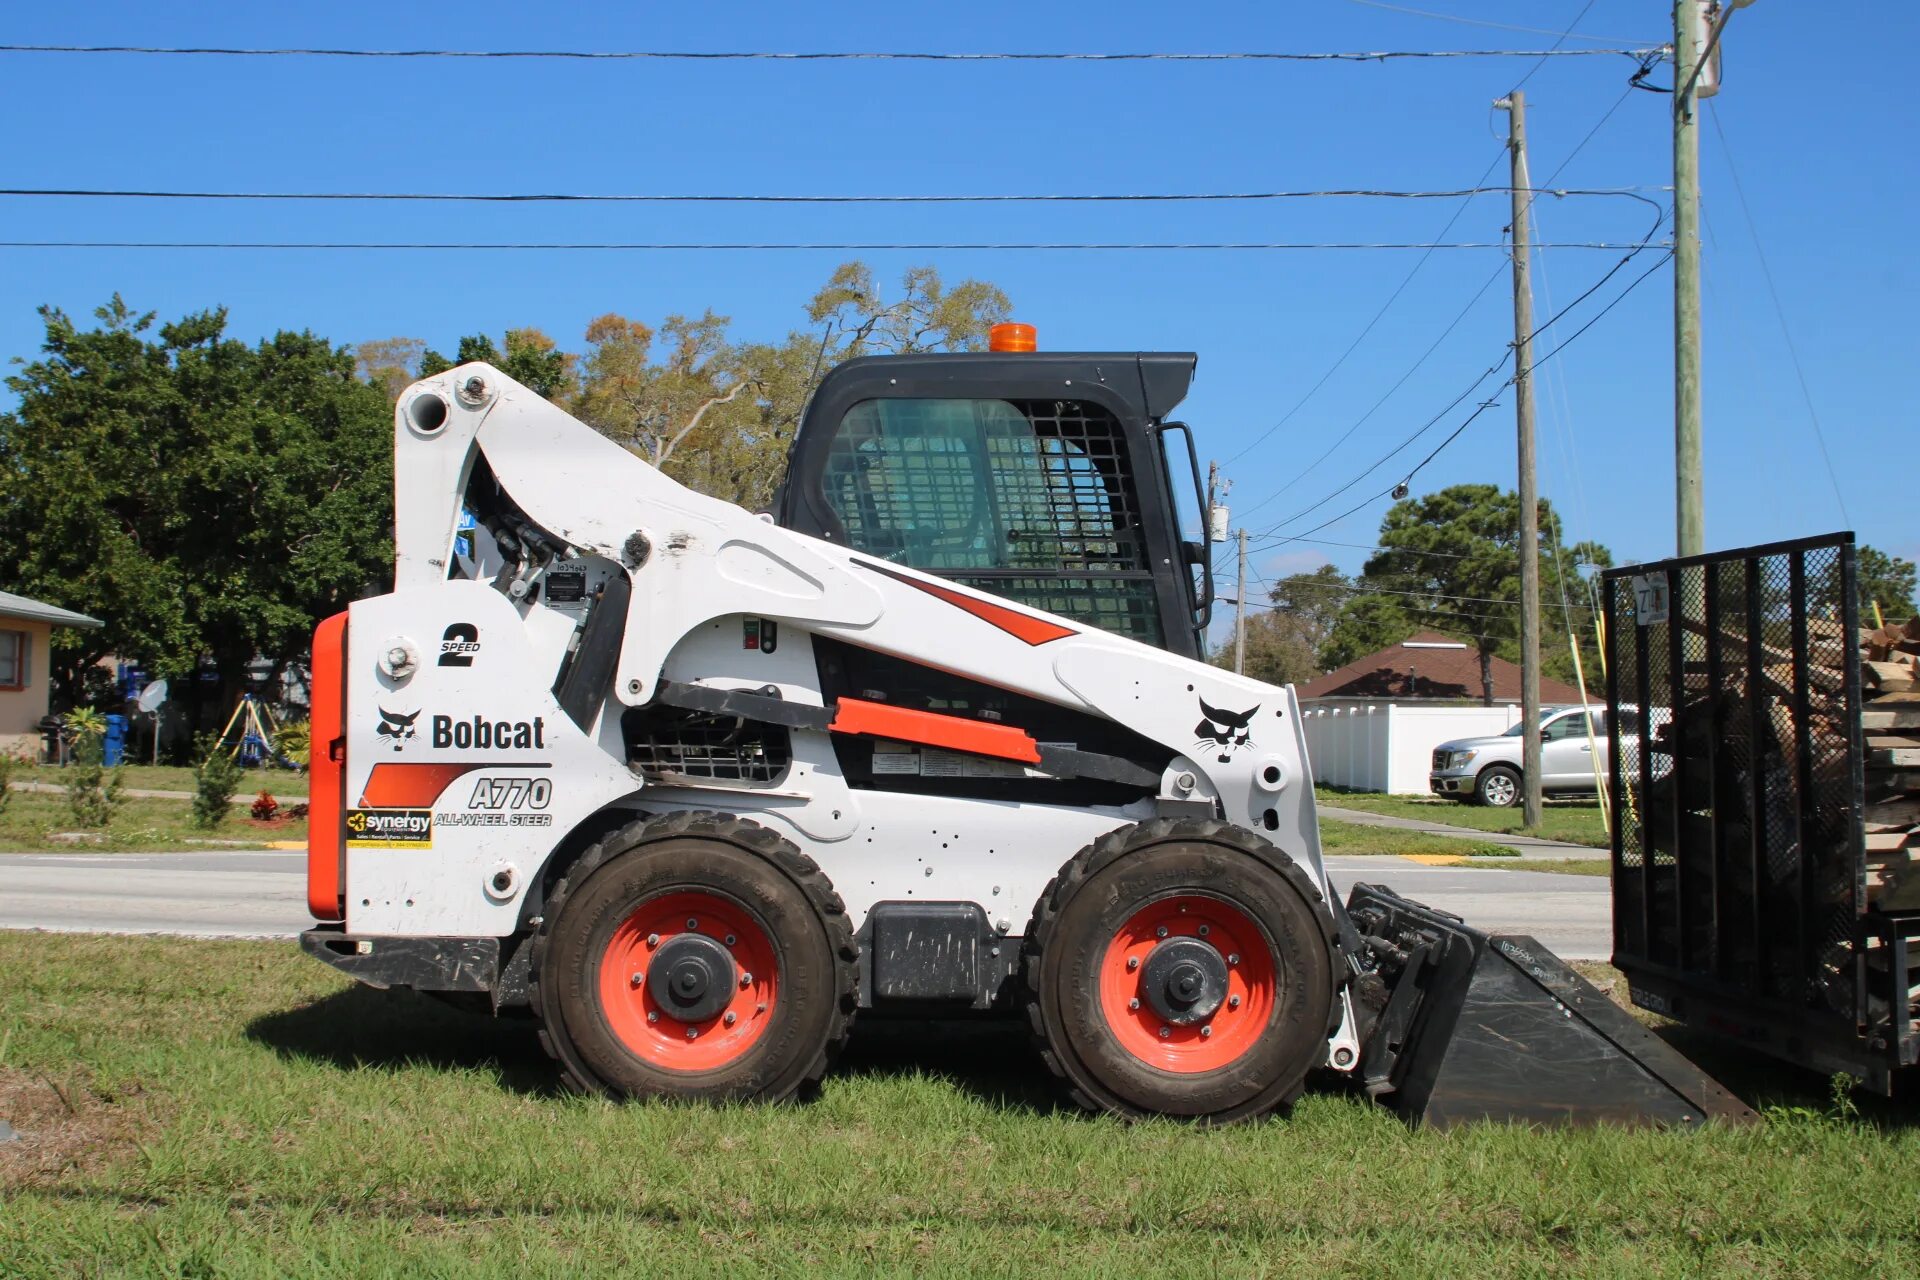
x=1780, y=312
x=1352, y=347
x=688, y=198
x=689, y=55
x=691, y=246
x=1482, y=22
x=1484, y=406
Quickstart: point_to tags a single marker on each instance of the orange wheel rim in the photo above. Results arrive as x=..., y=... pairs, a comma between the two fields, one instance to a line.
x=1228, y=1031
x=650, y=1028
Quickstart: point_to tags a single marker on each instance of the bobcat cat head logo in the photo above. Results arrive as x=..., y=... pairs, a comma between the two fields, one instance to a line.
x=395, y=728
x=1226, y=730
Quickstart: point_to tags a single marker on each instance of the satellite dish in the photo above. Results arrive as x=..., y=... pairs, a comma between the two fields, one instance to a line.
x=152, y=696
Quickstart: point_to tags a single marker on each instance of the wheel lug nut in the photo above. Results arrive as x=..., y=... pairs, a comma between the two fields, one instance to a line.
x=692, y=923
x=1233, y=1002
x=1165, y=1032
x=1204, y=930
x=730, y=939
x=731, y=1018
x=653, y=1015
x=1133, y=962
x=653, y=939
x=1206, y=1032
x=692, y=1032
x=639, y=978
x=746, y=979
x=761, y=1007
x=1233, y=957
x=1161, y=932
x=1134, y=1003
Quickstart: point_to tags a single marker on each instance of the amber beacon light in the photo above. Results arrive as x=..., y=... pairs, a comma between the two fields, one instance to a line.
x=1013, y=337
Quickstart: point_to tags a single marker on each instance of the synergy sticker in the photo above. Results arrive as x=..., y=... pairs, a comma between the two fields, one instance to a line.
x=389, y=829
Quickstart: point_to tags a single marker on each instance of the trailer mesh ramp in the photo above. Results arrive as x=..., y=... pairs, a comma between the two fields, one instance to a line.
x=1737, y=793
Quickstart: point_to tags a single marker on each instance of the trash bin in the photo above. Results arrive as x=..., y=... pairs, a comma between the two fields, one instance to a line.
x=114, y=745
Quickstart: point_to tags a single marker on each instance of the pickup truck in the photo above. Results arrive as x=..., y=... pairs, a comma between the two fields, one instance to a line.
x=1487, y=770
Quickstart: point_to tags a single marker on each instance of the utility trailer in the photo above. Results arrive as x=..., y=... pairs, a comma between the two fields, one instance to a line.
x=1746, y=900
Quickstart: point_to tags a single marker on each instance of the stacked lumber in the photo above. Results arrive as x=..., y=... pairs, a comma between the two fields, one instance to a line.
x=1890, y=729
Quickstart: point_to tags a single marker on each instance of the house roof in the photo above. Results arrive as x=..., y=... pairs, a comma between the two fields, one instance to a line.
x=1428, y=665
x=13, y=606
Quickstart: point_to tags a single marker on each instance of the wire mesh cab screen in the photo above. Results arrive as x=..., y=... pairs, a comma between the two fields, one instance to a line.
x=1031, y=499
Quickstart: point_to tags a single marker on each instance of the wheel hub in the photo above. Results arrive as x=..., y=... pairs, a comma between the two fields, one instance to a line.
x=1184, y=980
x=692, y=977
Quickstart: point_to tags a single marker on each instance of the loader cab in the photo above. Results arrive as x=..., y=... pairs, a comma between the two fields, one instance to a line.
x=1048, y=478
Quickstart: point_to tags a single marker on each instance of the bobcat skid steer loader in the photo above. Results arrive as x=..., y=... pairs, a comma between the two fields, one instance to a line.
x=696, y=789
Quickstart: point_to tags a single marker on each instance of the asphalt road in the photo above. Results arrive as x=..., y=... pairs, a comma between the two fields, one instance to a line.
x=247, y=894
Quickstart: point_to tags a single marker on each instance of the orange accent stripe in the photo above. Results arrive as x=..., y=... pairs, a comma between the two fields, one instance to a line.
x=392, y=785
x=1023, y=626
x=327, y=773
x=932, y=729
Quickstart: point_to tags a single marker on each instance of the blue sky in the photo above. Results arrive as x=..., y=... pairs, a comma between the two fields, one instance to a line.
x=1822, y=136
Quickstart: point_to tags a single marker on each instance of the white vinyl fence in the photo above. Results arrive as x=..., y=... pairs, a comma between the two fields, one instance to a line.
x=1386, y=746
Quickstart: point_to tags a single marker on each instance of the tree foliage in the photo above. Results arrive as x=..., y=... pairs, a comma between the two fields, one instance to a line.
x=1283, y=642
x=719, y=415
x=1450, y=561
x=528, y=356
x=198, y=495
x=1884, y=580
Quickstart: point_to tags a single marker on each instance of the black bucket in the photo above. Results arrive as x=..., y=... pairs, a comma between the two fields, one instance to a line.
x=1464, y=1026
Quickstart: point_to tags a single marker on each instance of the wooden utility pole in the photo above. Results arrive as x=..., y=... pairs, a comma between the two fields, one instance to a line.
x=1516, y=105
x=1689, y=31
x=1240, y=612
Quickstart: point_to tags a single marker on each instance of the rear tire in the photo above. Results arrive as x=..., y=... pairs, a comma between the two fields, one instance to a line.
x=1497, y=787
x=746, y=923
x=1256, y=942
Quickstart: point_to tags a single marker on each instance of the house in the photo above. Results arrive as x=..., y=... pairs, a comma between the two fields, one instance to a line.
x=1373, y=724
x=26, y=666
x=1428, y=666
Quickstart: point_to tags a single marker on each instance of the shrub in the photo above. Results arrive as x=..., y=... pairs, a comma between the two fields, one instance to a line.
x=7, y=762
x=294, y=743
x=264, y=807
x=298, y=811
x=93, y=791
x=215, y=778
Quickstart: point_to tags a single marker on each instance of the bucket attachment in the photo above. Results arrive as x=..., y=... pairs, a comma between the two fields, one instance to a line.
x=1466, y=1026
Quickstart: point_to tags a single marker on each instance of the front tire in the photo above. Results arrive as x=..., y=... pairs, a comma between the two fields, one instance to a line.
x=694, y=956
x=1181, y=967
x=1497, y=787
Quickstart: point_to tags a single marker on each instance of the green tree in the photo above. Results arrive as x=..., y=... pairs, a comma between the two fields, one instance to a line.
x=530, y=358
x=1884, y=580
x=1452, y=561
x=1367, y=623
x=200, y=496
x=1283, y=642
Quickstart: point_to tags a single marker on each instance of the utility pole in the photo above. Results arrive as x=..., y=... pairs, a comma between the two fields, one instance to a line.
x=1516, y=105
x=1240, y=612
x=1689, y=31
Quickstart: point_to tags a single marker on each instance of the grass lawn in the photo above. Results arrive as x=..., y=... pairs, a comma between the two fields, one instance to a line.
x=32, y=818
x=203, y=1108
x=1352, y=838
x=166, y=777
x=1565, y=866
x=1575, y=821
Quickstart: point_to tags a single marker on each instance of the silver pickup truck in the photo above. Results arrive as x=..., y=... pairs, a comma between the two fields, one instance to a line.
x=1488, y=769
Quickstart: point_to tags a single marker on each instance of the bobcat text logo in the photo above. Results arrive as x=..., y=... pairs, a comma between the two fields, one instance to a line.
x=458, y=644
x=395, y=728
x=1225, y=729
x=482, y=734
